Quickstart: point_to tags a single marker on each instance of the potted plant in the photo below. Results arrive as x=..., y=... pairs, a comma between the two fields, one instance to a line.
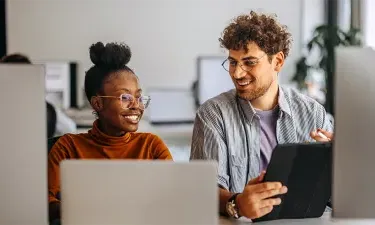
x=316, y=59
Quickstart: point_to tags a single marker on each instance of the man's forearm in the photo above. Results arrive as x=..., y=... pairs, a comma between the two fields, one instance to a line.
x=224, y=196
x=54, y=211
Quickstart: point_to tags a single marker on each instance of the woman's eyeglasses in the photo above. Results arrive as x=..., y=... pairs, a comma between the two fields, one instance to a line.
x=127, y=100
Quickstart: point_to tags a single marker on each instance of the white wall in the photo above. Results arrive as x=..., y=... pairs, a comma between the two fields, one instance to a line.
x=368, y=18
x=165, y=36
x=313, y=16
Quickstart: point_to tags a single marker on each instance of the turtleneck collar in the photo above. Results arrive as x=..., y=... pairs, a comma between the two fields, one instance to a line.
x=104, y=139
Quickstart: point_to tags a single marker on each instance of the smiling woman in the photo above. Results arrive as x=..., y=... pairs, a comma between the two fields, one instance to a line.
x=114, y=93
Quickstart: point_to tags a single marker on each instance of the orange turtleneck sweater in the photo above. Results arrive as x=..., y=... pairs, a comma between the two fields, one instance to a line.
x=97, y=145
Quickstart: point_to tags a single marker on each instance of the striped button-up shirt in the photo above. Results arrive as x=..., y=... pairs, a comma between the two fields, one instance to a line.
x=227, y=129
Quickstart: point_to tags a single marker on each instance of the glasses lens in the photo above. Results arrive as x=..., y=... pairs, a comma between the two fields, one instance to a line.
x=126, y=100
x=226, y=65
x=144, y=101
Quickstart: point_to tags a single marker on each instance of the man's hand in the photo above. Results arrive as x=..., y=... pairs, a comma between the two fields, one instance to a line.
x=255, y=201
x=319, y=137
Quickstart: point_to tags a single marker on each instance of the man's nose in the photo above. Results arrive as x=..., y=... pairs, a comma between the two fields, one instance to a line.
x=239, y=72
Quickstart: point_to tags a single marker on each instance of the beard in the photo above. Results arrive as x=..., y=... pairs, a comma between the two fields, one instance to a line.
x=254, y=93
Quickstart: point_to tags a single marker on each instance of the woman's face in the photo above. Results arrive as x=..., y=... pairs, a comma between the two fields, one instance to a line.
x=118, y=116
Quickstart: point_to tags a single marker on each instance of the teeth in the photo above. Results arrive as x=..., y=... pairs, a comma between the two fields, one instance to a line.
x=135, y=118
x=243, y=83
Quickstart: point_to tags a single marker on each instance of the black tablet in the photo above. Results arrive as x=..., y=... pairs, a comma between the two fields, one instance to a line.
x=306, y=170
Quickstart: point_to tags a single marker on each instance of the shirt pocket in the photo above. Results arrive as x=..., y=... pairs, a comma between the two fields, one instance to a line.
x=238, y=168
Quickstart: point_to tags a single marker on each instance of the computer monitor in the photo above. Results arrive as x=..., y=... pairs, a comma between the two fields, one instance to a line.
x=61, y=83
x=354, y=153
x=23, y=154
x=213, y=79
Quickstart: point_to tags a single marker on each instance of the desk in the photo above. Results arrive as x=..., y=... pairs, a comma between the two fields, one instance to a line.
x=324, y=220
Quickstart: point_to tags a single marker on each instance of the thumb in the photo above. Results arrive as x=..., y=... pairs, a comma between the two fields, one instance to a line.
x=261, y=176
x=258, y=179
x=313, y=134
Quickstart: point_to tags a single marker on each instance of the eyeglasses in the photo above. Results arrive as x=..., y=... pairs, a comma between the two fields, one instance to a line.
x=231, y=65
x=127, y=100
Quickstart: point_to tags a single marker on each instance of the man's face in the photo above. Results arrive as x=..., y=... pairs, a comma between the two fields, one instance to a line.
x=252, y=72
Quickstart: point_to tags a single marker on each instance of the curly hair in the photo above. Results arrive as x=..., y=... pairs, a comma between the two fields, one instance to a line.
x=264, y=30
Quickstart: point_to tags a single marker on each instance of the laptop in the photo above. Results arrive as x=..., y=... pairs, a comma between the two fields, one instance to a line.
x=306, y=170
x=115, y=192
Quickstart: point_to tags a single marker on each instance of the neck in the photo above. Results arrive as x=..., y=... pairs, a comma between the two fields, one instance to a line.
x=269, y=100
x=110, y=130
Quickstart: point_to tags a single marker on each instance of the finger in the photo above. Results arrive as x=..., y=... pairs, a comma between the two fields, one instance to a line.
x=326, y=133
x=319, y=137
x=269, y=202
x=263, y=211
x=271, y=193
x=261, y=187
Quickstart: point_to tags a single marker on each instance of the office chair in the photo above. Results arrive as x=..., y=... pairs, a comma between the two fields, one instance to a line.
x=51, y=142
x=51, y=120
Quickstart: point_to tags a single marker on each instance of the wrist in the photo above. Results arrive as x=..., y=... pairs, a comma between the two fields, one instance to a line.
x=238, y=203
x=232, y=207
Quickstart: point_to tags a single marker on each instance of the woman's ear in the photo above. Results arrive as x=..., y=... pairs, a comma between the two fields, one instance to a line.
x=96, y=103
x=279, y=61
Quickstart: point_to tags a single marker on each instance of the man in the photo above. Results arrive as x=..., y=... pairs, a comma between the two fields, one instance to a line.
x=241, y=127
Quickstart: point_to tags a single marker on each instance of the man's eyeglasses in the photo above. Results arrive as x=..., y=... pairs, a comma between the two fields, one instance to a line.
x=127, y=100
x=247, y=65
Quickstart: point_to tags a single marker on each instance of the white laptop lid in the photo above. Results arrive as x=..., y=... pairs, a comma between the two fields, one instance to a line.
x=354, y=152
x=23, y=153
x=138, y=192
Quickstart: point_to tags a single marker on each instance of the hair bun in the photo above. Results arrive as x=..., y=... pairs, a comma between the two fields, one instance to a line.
x=110, y=56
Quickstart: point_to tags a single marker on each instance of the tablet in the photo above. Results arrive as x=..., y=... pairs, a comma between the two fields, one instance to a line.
x=306, y=170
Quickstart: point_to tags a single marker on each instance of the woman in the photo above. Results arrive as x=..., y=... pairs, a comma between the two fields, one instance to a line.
x=114, y=93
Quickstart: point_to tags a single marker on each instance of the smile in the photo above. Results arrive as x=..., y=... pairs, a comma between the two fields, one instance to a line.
x=244, y=82
x=132, y=118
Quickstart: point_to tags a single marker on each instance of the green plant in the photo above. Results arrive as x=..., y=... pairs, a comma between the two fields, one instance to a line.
x=320, y=42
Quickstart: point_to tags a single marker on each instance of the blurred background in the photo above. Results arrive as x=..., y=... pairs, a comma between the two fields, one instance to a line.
x=176, y=52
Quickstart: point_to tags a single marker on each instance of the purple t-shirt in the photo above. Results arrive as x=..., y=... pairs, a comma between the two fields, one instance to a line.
x=268, y=139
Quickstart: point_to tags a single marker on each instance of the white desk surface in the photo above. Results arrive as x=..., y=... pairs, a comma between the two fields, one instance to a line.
x=324, y=220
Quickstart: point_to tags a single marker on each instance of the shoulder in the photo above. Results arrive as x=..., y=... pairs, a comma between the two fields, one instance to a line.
x=146, y=137
x=70, y=138
x=218, y=105
x=65, y=142
x=300, y=102
x=153, y=143
x=219, y=100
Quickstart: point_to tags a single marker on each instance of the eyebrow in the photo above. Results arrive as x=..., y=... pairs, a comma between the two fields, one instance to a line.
x=128, y=91
x=244, y=59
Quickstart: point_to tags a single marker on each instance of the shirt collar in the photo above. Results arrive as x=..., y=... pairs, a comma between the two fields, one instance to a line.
x=250, y=111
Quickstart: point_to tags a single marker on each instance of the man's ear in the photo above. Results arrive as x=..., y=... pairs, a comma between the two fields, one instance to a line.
x=96, y=103
x=279, y=61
